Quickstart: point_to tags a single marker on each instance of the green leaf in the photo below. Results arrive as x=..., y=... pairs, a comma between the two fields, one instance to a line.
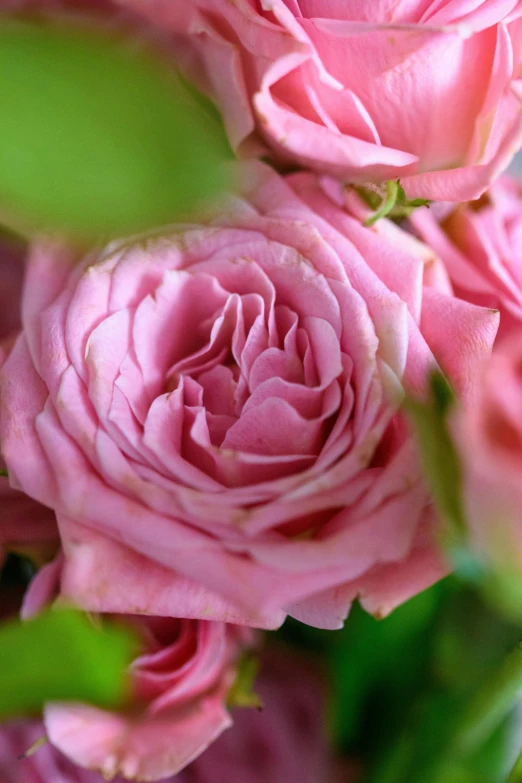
x=409, y=204
x=60, y=656
x=439, y=457
x=515, y=776
x=98, y=139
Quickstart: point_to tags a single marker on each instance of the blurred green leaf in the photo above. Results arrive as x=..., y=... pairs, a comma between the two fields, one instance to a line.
x=515, y=776
x=376, y=667
x=471, y=641
x=491, y=704
x=97, y=138
x=60, y=656
x=458, y=727
x=439, y=457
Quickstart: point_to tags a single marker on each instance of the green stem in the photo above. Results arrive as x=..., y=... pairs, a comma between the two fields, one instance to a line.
x=389, y=201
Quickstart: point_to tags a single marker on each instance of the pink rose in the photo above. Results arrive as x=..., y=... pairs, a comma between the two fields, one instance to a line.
x=284, y=742
x=366, y=91
x=480, y=244
x=489, y=440
x=179, y=686
x=221, y=402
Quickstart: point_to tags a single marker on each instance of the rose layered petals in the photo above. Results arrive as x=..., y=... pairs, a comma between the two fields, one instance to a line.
x=101, y=575
x=363, y=94
x=225, y=412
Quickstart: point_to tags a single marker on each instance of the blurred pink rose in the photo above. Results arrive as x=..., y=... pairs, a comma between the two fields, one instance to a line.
x=489, y=440
x=47, y=765
x=366, y=91
x=480, y=244
x=222, y=401
x=179, y=686
x=286, y=741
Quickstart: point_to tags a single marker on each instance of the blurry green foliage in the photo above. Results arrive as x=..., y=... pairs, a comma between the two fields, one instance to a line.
x=60, y=656
x=439, y=457
x=374, y=666
x=97, y=138
x=459, y=726
x=425, y=695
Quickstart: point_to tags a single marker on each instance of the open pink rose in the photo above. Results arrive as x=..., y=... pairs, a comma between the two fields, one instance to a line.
x=179, y=686
x=480, y=244
x=489, y=439
x=221, y=402
x=366, y=91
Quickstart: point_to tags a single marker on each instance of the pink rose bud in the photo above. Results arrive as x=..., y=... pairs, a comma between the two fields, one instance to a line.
x=214, y=411
x=366, y=91
x=285, y=741
x=180, y=682
x=180, y=685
